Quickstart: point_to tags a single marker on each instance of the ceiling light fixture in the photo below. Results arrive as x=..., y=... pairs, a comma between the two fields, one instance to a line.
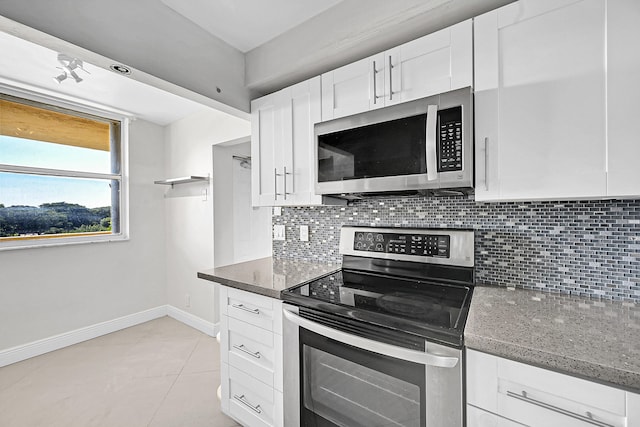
x=68, y=67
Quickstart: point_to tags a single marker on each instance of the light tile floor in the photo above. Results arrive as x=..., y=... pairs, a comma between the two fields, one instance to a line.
x=158, y=374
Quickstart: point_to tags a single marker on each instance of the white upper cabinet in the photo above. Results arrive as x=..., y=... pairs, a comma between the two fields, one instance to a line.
x=282, y=145
x=545, y=96
x=266, y=131
x=623, y=91
x=439, y=62
x=354, y=88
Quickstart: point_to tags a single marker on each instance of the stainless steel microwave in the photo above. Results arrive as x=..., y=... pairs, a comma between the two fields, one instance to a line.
x=420, y=146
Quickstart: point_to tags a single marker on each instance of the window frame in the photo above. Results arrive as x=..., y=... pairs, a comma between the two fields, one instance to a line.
x=82, y=109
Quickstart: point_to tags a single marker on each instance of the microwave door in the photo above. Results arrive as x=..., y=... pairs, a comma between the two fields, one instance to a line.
x=372, y=157
x=419, y=145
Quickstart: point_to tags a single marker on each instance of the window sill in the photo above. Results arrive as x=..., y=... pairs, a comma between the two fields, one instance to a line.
x=31, y=242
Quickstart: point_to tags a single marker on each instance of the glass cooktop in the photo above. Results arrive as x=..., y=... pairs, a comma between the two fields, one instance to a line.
x=416, y=306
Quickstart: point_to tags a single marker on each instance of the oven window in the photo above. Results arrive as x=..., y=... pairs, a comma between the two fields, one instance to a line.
x=391, y=148
x=350, y=387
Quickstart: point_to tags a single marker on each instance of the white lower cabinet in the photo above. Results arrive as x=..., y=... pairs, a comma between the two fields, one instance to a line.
x=502, y=392
x=477, y=417
x=251, y=356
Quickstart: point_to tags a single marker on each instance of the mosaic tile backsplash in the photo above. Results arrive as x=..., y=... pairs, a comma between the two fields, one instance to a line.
x=588, y=248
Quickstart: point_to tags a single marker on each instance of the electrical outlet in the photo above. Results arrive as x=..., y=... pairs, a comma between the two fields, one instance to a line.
x=277, y=211
x=304, y=233
x=187, y=300
x=279, y=232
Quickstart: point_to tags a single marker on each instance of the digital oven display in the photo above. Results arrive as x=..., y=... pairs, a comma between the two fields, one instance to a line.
x=430, y=245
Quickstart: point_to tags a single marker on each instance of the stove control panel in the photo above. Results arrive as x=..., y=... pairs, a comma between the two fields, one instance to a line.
x=403, y=243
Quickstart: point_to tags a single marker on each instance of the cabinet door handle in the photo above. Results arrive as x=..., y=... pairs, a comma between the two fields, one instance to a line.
x=242, y=400
x=284, y=177
x=486, y=163
x=390, y=79
x=588, y=418
x=430, y=143
x=375, y=92
x=243, y=349
x=275, y=184
x=243, y=308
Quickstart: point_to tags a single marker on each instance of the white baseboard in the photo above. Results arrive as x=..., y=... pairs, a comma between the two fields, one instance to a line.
x=195, y=322
x=56, y=342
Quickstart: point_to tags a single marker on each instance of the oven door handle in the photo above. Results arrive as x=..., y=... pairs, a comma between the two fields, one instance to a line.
x=423, y=358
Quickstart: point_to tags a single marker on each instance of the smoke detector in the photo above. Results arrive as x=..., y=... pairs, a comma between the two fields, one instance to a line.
x=120, y=69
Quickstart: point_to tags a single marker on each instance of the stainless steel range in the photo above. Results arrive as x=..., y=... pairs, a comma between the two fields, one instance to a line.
x=379, y=343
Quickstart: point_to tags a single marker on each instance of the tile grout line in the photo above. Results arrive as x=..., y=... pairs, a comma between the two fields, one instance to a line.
x=153, y=417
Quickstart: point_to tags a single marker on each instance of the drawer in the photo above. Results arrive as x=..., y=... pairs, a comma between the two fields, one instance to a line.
x=253, y=350
x=255, y=309
x=251, y=402
x=477, y=417
x=540, y=397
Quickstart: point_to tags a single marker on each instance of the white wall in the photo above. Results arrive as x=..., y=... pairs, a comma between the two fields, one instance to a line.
x=189, y=218
x=48, y=291
x=241, y=232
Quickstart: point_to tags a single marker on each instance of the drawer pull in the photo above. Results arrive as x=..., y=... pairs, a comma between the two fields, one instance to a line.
x=249, y=310
x=242, y=400
x=586, y=418
x=242, y=348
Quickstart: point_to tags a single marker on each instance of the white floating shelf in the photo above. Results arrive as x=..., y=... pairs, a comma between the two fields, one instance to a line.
x=182, y=180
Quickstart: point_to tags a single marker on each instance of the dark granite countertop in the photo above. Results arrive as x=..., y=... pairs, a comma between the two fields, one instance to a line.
x=591, y=339
x=267, y=276
x=596, y=340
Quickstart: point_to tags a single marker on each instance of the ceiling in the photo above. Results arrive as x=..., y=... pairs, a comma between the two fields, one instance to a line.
x=247, y=24
x=31, y=67
x=227, y=52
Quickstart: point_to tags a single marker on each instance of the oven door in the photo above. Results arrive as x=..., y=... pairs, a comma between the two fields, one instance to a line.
x=338, y=378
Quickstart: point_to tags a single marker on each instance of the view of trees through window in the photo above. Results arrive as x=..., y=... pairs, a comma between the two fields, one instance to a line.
x=53, y=218
x=60, y=172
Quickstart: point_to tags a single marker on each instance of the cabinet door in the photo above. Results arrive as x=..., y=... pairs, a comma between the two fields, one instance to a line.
x=266, y=134
x=633, y=409
x=623, y=91
x=301, y=112
x=282, y=145
x=540, y=99
x=354, y=88
x=436, y=63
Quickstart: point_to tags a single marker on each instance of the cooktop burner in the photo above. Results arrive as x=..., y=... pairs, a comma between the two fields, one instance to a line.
x=414, y=281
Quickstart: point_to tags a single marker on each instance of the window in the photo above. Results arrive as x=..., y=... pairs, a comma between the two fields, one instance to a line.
x=61, y=175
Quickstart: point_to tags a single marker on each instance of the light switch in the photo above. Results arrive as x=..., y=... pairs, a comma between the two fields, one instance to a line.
x=304, y=233
x=278, y=232
x=277, y=211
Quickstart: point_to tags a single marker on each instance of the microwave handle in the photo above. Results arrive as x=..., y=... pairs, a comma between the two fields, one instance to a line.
x=415, y=356
x=430, y=143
